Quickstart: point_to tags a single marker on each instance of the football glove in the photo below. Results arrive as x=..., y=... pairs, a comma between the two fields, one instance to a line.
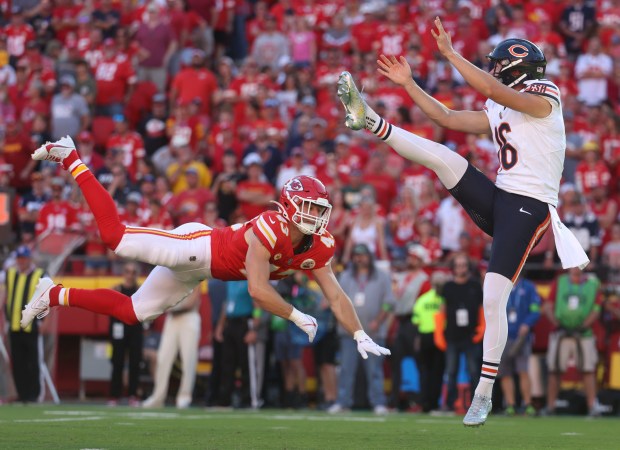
x=304, y=321
x=366, y=345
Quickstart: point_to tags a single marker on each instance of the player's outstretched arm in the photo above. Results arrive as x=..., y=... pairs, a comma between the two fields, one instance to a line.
x=264, y=294
x=345, y=313
x=486, y=84
x=399, y=71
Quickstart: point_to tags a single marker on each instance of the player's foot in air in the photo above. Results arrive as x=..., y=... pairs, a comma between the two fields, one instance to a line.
x=354, y=104
x=56, y=151
x=478, y=411
x=39, y=304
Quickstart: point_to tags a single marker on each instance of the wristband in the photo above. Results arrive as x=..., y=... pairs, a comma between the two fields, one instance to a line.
x=296, y=316
x=360, y=335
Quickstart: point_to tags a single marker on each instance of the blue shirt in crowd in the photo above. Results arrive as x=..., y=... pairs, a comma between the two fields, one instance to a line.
x=523, y=307
x=238, y=302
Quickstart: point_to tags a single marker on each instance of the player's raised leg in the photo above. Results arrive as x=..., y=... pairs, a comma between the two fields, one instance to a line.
x=448, y=165
x=99, y=200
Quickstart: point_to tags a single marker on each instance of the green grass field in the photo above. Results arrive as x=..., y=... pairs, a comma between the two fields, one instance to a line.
x=99, y=427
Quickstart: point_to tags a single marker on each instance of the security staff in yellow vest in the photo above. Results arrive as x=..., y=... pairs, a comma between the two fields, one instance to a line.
x=20, y=283
x=429, y=358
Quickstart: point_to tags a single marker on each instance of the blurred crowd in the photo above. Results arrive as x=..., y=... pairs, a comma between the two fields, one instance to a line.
x=199, y=110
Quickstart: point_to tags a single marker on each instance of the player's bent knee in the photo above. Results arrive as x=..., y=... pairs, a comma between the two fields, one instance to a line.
x=112, y=235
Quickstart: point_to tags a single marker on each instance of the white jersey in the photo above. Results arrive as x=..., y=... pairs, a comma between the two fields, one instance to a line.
x=530, y=150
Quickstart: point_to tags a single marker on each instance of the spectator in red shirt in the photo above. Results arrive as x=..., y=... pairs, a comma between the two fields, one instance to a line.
x=115, y=81
x=195, y=81
x=16, y=152
x=591, y=172
x=92, y=159
x=129, y=142
x=156, y=216
x=57, y=215
x=64, y=18
x=254, y=193
x=189, y=204
x=18, y=34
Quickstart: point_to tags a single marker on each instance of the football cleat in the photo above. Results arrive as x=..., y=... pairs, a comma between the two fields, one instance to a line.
x=478, y=411
x=55, y=151
x=354, y=104
x=39, y=304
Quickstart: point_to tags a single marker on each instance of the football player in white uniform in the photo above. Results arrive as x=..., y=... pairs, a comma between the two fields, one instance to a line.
x=524, y=114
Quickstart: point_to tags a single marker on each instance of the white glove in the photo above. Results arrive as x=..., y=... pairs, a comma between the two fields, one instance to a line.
x=305, y=322
x=366, y=345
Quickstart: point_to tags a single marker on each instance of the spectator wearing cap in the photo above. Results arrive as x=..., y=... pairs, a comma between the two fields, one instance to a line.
x=177, y=171
x=265, y=148
x=349, y=157
x=368, y=227
x=57, y=215
x=120, y=186
x=270, y=45
x=255, y=192
x=187, y=121
x=129, y=142
x=194, y=81
x=296, y=165
x=18, y=33
x=115, y=79
x=131, y=215
x=20, y=282
x=592, y=70
x=86, y=146
x=157, y=43
x=30, y=204
x=69, y=111
x=591, y=171
x=188, y=205
x=408, y=285
x=16, y=151
x=106, y=18
x=153, y=126
x=85, y=84
x=370, y=290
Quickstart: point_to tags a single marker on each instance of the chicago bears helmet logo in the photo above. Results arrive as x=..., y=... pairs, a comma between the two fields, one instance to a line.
x=294, y=185
x=519, y=51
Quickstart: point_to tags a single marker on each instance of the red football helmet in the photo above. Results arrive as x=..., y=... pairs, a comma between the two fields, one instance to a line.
x=304, y=201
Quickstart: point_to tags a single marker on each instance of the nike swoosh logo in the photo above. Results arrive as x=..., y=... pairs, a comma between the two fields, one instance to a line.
x=271, y=220
x=524, y=211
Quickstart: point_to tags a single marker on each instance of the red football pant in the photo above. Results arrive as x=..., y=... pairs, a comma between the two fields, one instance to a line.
x=100, y=301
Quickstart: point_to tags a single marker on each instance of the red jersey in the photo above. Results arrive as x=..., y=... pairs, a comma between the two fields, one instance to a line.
x=229, y=248
x=588, y=177
x=17, y=37
x=249, y=209
x=56, y=217
x=113, y=76
x=133, y=150
x=191, y=83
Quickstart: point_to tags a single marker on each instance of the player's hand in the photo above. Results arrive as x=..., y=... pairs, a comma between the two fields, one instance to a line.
x=443, y=39
x=308, y=324
x=397, y=70
x=366, y=345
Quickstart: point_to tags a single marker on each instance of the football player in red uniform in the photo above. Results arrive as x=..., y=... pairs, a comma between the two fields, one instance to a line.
x=271, y=246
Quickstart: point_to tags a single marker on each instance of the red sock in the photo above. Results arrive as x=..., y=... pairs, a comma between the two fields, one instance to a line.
x=103, y=207
x=73, y=157
x=102, y=301
x=54, y=295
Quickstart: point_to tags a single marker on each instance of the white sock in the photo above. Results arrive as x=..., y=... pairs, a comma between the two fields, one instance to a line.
x=496, y=291
x=448, y=165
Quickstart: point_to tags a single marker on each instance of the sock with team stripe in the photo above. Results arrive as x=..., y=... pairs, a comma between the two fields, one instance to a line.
x=99, y=200
x=100, y=301
x=377, y=125
x=496, y=291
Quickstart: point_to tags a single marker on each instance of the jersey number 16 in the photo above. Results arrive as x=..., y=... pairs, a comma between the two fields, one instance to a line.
x=507, y=154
